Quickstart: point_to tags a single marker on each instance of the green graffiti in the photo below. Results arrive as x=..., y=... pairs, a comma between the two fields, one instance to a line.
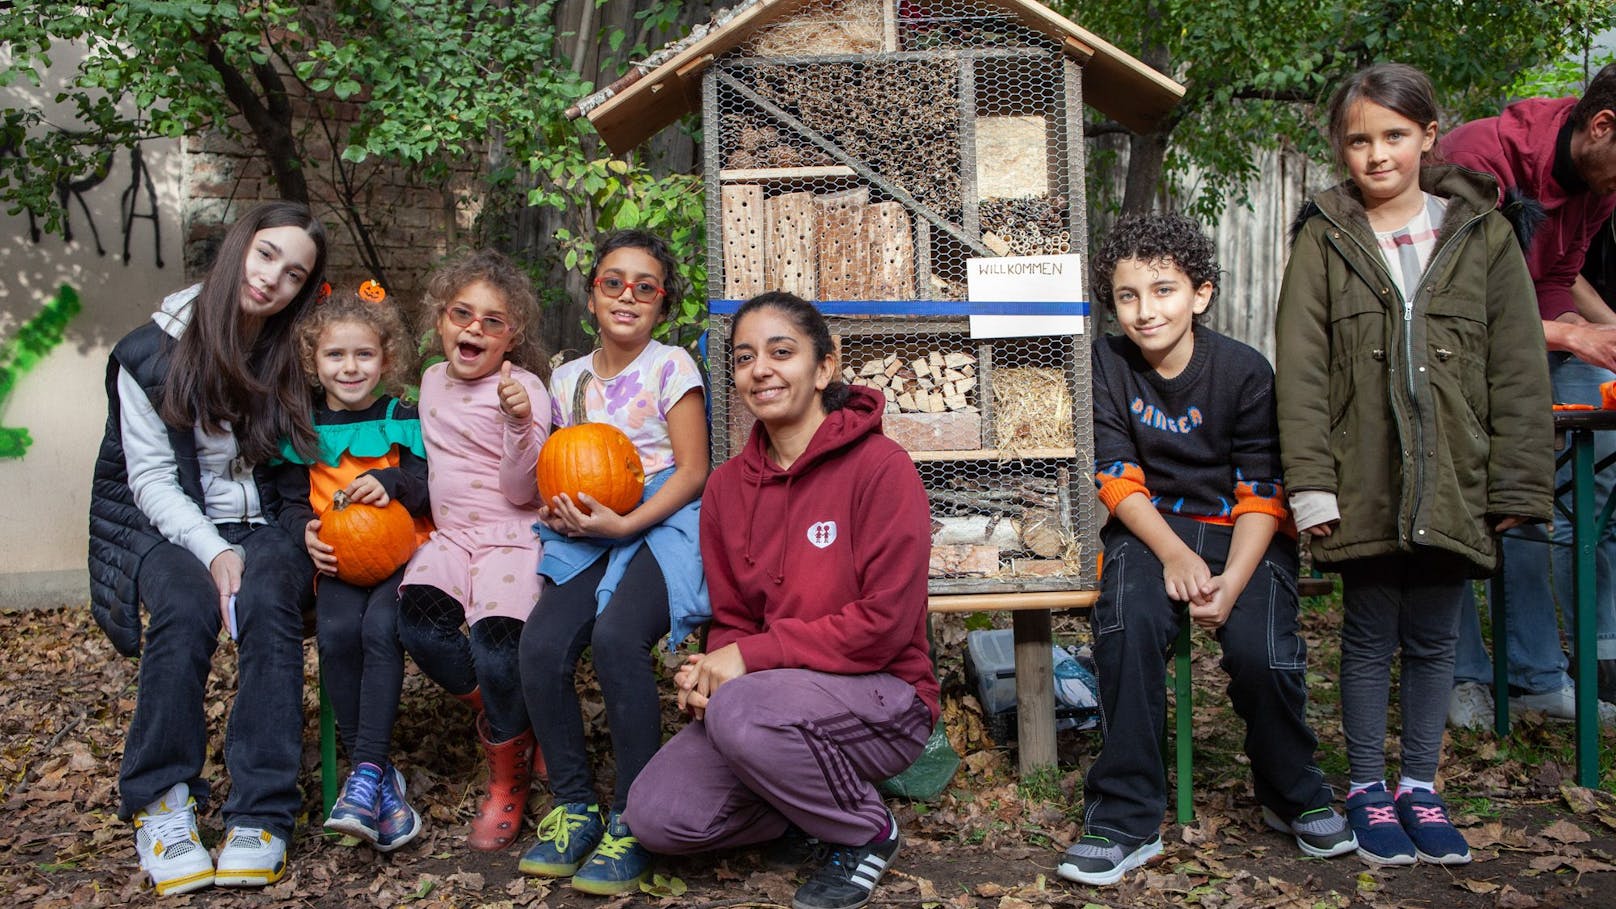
x=36, y=338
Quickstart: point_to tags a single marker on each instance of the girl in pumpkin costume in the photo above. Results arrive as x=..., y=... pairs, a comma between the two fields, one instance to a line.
x=617, y=583
x=370, y=454
x=484, y=414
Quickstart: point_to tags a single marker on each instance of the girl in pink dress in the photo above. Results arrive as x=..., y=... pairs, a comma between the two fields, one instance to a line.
x=484, y=414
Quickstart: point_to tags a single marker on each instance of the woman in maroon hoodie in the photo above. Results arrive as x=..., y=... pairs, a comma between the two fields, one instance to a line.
x=817, y=680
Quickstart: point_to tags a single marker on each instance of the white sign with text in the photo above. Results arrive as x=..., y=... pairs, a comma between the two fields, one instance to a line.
x=1018, y=296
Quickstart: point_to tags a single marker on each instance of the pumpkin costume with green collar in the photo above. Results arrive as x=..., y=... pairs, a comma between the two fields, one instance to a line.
x=384, y=440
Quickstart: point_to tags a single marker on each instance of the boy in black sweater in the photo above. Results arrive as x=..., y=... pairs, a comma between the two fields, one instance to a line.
x=1186, y=458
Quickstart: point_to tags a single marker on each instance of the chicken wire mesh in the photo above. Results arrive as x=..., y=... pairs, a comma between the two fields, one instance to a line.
x=858, y=154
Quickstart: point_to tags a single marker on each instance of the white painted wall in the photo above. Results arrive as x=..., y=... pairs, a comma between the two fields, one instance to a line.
x=44, y=496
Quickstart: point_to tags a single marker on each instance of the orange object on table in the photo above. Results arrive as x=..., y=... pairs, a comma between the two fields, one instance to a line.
x=1610, y=404
x=1607, y=395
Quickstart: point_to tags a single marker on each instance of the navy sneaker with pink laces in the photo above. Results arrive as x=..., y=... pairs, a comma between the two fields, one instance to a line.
x=1424, y=818
x=1381, y=838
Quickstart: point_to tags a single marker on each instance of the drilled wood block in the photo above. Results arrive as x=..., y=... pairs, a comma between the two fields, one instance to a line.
x=744, y=223
x=844, y=254
x=791, y=261
x=889, y=239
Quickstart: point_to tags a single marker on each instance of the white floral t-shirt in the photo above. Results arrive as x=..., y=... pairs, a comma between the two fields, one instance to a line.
x=636, y=400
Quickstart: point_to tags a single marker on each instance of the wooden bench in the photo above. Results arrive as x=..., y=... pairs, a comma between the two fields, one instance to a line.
x=1035, y=696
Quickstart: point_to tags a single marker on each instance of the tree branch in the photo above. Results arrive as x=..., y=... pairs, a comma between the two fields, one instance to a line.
x=271, y=126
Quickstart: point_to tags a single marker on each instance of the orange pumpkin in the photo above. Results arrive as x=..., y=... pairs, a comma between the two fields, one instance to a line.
x=371, y=543
x=596, y=458
x=371, y=292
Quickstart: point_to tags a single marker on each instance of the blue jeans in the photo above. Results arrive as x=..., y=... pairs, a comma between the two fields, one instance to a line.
x=263, y=746
x=1538, y=575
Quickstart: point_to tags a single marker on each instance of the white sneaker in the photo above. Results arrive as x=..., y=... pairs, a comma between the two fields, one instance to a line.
x=169, y=845
x=250, y=857
x=1470, y=706
x=1560, y=705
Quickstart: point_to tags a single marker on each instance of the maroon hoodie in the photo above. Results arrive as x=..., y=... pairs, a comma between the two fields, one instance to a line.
x=823, y=566
x=1520, y=148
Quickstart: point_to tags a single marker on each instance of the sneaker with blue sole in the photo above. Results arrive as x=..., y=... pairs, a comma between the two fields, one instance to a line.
x=355, y=810
x=1100, y=861
x=1381, y=838
x=618, y=864
x=567, y=836
x=1424, y=817
x=396, y=821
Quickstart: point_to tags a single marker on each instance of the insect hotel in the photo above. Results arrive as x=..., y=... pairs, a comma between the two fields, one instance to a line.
x=861, y=154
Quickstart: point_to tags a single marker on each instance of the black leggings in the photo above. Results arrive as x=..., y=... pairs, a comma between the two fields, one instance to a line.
x=429, y=623
x=620, y=637
x=361, y=663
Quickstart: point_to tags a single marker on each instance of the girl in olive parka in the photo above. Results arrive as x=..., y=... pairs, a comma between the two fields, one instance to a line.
x=1413, y=399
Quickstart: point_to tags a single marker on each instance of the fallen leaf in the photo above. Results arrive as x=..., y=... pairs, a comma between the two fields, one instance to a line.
x=1585, y=865
x=1566, y=832
x=1510, y=898
x=1477, y=886
x=1547, y=862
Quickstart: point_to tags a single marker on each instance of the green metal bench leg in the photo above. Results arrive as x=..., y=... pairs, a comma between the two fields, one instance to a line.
x=328, y=753
x=1495, y=599
x=1184, y=739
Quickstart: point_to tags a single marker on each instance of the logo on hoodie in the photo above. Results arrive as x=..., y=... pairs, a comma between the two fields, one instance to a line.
x=822, y=534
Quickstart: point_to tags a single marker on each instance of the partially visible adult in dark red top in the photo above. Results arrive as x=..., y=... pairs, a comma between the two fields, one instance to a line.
x=1555, y=163
x=817, y=680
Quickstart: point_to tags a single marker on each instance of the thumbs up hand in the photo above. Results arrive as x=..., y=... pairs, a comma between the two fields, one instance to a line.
x=513, y=399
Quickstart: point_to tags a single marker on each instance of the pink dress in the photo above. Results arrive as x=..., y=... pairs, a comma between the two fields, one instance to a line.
x=485, y=496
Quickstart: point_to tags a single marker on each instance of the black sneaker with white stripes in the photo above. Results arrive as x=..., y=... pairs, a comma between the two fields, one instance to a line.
x=849, y=875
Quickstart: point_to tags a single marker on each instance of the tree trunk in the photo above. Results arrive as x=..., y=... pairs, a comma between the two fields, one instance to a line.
x=1147, y=152
x=1146, y=155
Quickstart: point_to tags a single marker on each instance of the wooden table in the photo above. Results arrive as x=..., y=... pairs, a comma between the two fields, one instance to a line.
x=1035, y=671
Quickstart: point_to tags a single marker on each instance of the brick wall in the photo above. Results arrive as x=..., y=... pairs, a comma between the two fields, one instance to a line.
x=413, y=222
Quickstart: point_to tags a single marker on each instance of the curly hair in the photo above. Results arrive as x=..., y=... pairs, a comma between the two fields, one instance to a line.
x=382, y=318
x=498, y=271
x=1153, y=238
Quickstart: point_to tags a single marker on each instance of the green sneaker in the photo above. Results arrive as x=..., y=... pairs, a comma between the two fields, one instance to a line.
x=619, y=864
x=566, y=837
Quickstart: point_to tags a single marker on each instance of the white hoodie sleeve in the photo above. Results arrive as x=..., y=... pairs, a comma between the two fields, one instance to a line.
x=154, y=476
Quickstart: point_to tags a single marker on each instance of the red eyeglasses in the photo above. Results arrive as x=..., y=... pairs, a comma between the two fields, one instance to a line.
x=644, y=291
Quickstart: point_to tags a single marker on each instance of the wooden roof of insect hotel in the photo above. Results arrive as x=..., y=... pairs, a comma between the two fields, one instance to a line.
x=667, y=84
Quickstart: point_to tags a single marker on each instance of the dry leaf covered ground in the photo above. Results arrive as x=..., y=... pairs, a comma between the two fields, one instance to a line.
x=988, y=842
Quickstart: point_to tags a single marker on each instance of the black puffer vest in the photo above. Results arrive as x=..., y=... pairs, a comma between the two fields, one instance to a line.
x=120, y=533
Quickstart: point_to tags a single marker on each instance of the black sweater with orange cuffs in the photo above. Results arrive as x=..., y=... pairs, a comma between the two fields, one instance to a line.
x=1203, y=444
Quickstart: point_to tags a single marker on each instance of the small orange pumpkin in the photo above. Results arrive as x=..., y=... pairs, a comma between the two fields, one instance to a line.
x=371, y=543
x=596, y=458
x=371, y=292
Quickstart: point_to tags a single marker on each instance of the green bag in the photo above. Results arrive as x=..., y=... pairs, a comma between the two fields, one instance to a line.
x=928, y=776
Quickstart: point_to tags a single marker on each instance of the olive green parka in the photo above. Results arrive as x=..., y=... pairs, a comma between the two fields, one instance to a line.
x=1427, y=418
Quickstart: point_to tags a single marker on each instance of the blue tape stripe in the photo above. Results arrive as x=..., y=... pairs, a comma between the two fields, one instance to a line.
x=925, y=308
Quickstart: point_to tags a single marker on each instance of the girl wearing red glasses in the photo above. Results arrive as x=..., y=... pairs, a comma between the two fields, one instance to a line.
x=484, y=414
x=616, y=583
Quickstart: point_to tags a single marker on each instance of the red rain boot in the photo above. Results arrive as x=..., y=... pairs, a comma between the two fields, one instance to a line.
x=510, y=765
x=474, y=700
